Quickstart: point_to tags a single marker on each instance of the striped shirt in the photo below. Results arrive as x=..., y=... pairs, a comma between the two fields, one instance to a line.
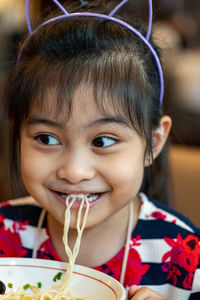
x=164, y=250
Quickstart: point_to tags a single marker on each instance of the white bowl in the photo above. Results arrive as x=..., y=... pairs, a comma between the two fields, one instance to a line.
x=85, y=282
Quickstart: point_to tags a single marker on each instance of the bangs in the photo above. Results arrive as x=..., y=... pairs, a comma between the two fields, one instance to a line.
x=115, y=80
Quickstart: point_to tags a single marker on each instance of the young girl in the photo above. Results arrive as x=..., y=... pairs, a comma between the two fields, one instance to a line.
x=83, y=102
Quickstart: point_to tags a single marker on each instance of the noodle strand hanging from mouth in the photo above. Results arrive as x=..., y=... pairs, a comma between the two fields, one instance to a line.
x=72, y=254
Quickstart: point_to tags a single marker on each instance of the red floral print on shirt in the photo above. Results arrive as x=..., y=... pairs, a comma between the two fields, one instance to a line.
x=11, y=245
x=158, y=215
x=135, y=269
x=185, y=253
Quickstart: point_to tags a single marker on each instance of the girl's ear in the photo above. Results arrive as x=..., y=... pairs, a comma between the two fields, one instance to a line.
x=159, y=137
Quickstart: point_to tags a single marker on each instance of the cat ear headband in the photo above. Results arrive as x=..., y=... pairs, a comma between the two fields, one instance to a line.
x=108, y=18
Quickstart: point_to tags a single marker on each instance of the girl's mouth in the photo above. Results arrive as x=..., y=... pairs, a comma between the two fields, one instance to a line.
x=90, y=197
x=93, y=198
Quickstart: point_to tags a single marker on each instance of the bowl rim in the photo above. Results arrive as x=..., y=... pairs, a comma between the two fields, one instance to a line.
x=88, y=272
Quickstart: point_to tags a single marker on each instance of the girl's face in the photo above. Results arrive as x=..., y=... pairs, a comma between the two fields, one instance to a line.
x=92, y=153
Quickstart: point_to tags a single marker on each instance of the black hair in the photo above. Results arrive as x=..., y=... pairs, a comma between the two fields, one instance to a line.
x=3, y=157
x=117, y=64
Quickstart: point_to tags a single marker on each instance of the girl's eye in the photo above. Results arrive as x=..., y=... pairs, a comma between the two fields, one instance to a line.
x=46, y=139
x=102, y=142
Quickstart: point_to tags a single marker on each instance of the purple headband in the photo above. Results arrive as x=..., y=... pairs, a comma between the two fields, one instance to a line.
x=106, y=17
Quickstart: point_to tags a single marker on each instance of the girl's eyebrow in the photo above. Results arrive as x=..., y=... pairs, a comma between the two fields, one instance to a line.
x=109, y=119
x=48, y=122
x=102, y=121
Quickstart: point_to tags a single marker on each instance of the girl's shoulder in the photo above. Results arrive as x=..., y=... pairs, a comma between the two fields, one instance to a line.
x=161, y=219
x=19, y=221
x=23, y=209
x=167, y=244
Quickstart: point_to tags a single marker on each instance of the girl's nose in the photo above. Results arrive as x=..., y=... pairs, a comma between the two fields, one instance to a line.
x=76, y=168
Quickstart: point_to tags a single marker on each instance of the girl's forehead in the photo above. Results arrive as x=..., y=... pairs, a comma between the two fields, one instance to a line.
x=82, y=103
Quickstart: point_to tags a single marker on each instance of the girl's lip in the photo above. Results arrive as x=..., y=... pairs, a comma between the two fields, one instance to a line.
x=77, y=202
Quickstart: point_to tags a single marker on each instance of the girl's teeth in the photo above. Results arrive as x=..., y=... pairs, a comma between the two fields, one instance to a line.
x=90, y=197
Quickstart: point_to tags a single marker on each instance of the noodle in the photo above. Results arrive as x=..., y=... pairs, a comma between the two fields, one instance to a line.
x=62, y=290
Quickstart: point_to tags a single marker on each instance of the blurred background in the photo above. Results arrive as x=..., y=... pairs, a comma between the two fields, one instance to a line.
x=176, y=29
